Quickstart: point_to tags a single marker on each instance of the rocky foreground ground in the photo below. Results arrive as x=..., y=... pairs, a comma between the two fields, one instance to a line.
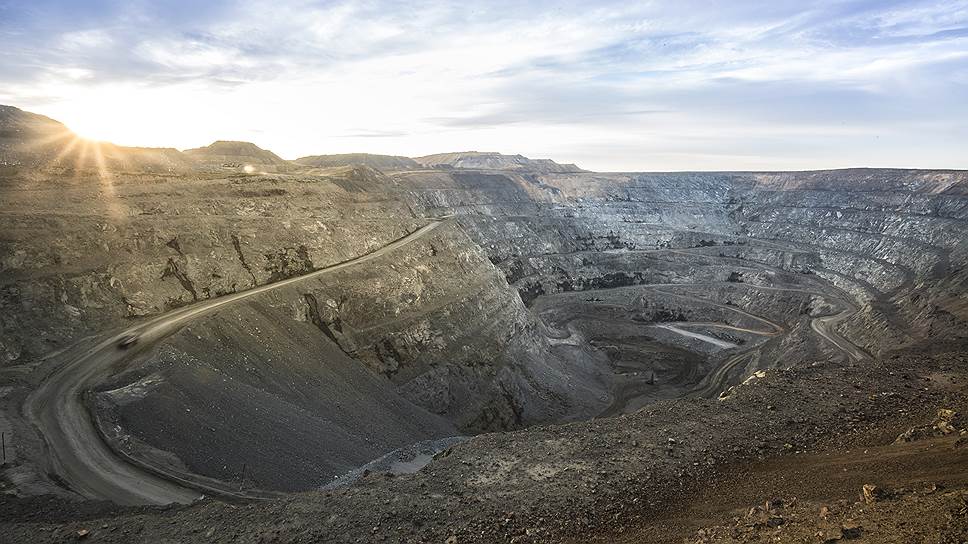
x=784, y=458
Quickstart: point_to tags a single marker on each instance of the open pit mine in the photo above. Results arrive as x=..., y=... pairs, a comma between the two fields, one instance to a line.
x=220, y=345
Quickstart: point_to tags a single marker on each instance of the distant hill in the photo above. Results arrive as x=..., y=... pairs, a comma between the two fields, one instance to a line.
x=28, y=139
x=149, y=159
x=35, y=141
x=494, y=161
x=380, y=162
x=231, y=154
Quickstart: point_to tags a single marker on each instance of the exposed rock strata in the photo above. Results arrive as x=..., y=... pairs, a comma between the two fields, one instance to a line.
x=551, y=295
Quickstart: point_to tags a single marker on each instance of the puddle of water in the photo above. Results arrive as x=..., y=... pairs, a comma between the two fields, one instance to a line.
x=699, y=336
x=405, y=460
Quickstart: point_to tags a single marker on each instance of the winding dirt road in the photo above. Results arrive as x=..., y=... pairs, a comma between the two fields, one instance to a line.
x=717, y=381
x=824, y=326
x=76, y=453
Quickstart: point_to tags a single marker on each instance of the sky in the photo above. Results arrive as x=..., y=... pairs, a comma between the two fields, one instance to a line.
x=611, y=86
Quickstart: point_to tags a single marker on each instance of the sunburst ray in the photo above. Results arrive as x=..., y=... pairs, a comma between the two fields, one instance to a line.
x=65, y=152
x=49, y=139
x=112, y=204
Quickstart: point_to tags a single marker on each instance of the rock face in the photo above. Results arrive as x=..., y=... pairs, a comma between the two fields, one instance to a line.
x=494, y=161
x=547, y=295
x=145, y=248
x=465, y=347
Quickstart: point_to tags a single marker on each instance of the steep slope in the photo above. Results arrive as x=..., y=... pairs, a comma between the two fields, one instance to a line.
x=286, y=402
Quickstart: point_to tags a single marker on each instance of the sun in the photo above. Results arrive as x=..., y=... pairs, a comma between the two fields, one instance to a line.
x=111, y=115
x=93, y=128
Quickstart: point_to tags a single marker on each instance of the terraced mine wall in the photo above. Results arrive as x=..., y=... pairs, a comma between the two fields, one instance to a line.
x=891, y=239
x=547, y=297
x=80, y=255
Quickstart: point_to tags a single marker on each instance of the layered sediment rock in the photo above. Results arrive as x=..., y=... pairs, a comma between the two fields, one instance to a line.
x=550, y=295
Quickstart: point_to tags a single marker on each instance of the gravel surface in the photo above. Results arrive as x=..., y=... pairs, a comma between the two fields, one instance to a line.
x=580, y=481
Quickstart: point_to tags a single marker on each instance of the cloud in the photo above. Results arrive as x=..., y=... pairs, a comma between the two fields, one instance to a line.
x=613, y=85
x=363, y=133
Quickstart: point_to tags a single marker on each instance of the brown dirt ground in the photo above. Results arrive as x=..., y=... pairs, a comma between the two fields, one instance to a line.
x=917, y=472
x=658, y=475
